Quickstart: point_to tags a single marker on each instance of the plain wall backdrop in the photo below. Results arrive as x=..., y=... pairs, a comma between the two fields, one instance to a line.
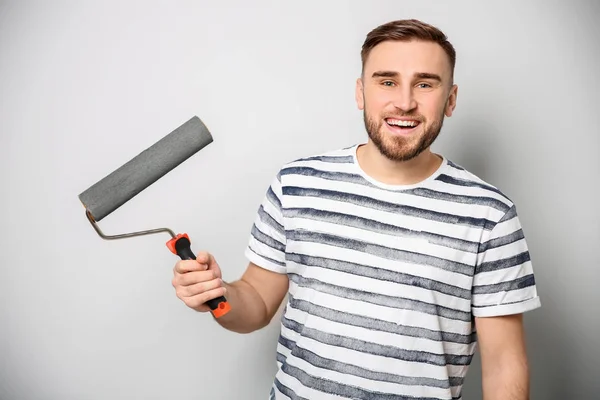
x=86, y=86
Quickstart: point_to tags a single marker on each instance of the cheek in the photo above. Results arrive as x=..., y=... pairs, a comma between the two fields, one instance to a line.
x=377, y=102
x=431, y=106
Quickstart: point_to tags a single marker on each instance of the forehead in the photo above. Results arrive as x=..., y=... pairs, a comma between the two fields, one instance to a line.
x=408, y=58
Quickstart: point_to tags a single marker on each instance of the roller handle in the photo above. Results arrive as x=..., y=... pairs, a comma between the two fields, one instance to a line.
x=181, y=246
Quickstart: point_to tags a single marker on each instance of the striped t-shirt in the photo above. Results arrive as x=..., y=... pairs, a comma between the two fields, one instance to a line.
x=385, y=280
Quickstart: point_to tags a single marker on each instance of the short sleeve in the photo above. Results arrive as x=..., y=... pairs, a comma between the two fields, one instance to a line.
x=266, y=245
x=504, y=281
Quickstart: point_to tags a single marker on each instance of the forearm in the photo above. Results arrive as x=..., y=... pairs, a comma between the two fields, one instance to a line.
x=506, y=380
x=248, y=311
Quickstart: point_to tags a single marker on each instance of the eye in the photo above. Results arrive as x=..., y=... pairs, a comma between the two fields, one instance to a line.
x=424, y=85
x=387, y=83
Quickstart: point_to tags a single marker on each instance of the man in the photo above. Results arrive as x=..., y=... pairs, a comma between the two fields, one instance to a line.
x=397, y=261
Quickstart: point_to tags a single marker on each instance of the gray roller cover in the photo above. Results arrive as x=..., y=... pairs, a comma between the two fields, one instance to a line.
x=120, y=186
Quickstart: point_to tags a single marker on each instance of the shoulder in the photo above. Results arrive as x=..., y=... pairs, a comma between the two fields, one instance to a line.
x=339, y=155
x=474, y=189
x=332, y=159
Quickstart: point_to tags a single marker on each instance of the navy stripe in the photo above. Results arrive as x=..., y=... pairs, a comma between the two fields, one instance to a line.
x=381, y=205
x=380, y=251
x=517, y=235
x=350, y=369
x=504, y=263
x=270, y=221
x=396, y=301
x=375, y=349
x=272, y=197
x=379, y=325
x=266, y=239
x=423, y=192
x=380, y=227
x=321, y=362
x=327, y=175
x=510, y=214
x=467, y=183
x=280, y=357
x=287, y=343
x=502, y=241
x=520, y=283
x=507, y=303
x=335, y=388
x=329, y=159
x=287, y=391
x=454, y=165
x=429, y=193
x=460, y=198
x=261, y=255
x=380, y=274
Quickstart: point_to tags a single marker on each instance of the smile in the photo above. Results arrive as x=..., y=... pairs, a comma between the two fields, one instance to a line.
x=403, y=123
x=401, y=126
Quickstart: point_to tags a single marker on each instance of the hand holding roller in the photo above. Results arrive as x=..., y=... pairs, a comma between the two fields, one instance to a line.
x=130, y=179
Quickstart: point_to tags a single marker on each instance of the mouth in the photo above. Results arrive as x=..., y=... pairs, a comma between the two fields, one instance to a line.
x=402, y=126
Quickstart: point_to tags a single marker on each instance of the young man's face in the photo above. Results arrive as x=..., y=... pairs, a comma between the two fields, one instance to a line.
x=405, y=92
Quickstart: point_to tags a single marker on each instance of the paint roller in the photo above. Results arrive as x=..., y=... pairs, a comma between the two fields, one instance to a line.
x=131, y=178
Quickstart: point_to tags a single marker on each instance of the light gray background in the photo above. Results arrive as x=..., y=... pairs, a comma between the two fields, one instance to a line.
x=85, y=86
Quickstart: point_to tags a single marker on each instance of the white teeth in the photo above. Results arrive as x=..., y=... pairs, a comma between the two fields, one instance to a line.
x=402, y=123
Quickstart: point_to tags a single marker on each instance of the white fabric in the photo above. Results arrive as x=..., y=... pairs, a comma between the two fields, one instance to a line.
x=385, y=280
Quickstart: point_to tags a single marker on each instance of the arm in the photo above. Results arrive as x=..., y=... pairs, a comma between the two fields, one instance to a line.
x=257, y=295
x=254, y=299
x=259, y=292
x=505, y=371
x=503, y=290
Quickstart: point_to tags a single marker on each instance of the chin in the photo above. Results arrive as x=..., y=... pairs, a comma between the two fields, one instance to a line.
x=395, y=151
x=399, y=147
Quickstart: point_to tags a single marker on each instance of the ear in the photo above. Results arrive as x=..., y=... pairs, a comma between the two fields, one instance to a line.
x=359, y=94
x=451, y=102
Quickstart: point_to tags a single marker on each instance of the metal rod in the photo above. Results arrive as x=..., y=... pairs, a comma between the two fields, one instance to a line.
x=125, y=235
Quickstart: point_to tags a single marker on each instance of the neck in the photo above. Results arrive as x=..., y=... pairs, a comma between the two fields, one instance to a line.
x=390, y=172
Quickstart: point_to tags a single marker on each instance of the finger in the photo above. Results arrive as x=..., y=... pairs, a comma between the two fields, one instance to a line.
x=185, y=266
x=204, y=257
x=200, y=287
x=194, y=277
x=197, y=301
x=209, y=259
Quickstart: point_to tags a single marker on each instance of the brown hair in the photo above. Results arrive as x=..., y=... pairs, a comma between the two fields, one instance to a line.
x=406, y=30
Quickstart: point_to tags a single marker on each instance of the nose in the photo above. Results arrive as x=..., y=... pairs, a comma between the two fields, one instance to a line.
x=405, y=100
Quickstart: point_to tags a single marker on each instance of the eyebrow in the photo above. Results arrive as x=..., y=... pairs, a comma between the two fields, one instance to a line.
x=384, y=74
x=427, y=75
x=419, y=75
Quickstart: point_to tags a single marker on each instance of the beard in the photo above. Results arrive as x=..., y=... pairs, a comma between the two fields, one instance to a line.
x=397, y=148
